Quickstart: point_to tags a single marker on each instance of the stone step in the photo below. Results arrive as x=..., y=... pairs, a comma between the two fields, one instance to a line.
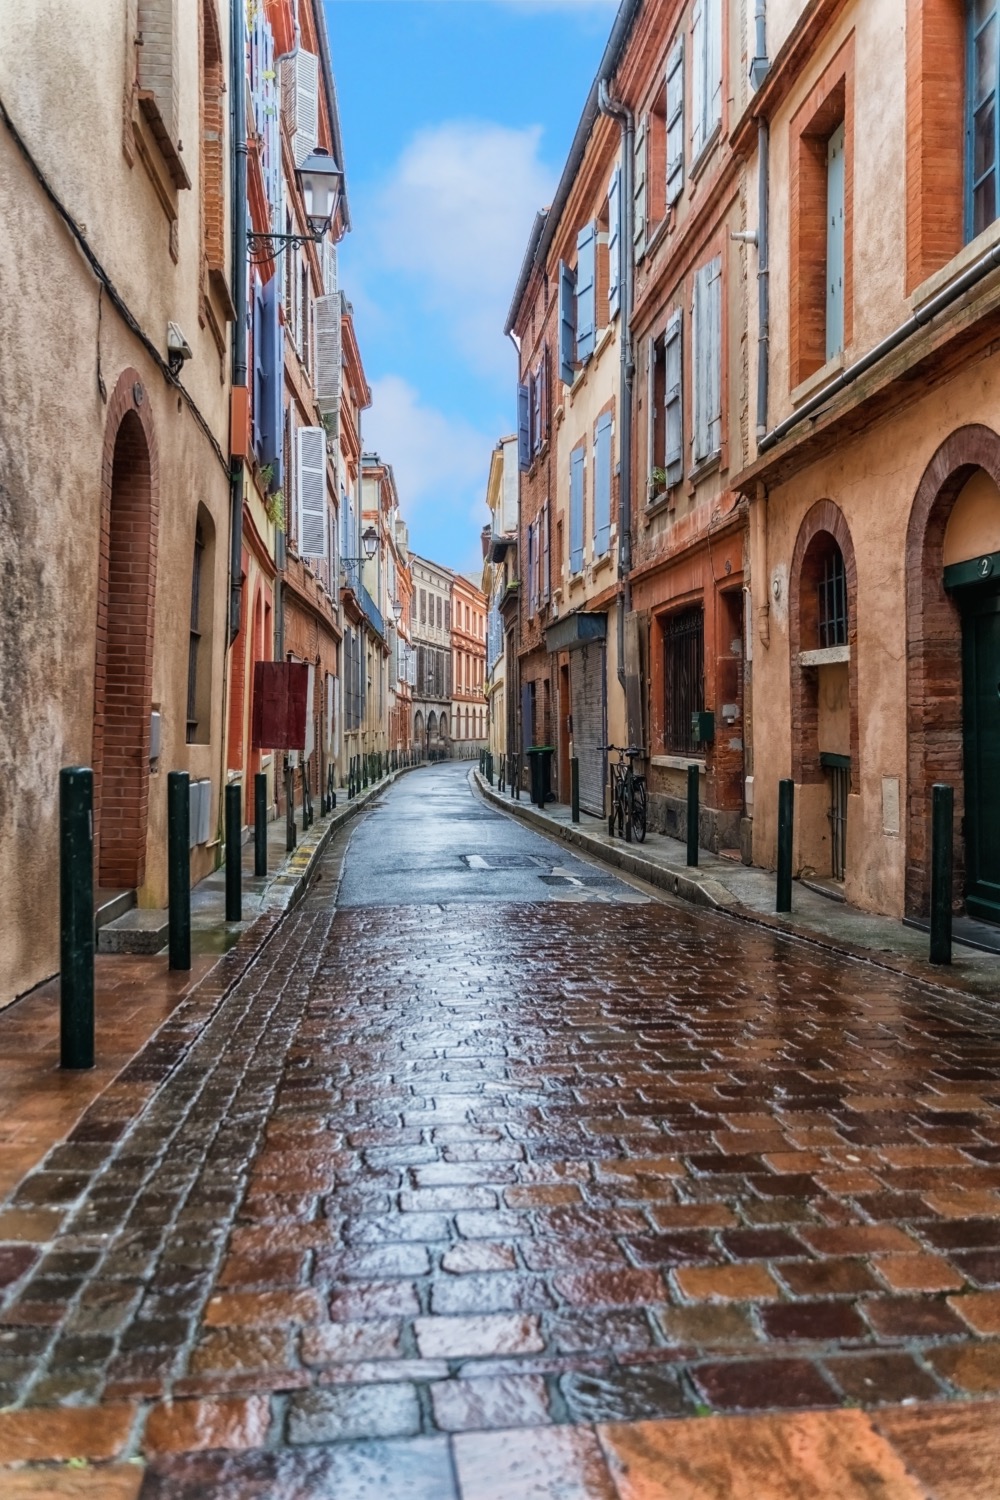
x=137, y=931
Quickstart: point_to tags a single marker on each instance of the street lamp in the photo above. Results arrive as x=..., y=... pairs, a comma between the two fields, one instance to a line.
x=397, y=609
x=320, y=182
x=369, y=541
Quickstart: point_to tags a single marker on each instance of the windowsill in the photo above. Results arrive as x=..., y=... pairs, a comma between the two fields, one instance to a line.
x=677, y=763
x=705, y=466
x=576, y=582
x=966, y=257
x=659, y=232
x=824, y=656
x=700, y=161
x=602, y=562
x=817, y=380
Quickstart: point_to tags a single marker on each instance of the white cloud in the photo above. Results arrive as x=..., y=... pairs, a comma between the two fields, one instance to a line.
x=454, y=218
x=441, y=465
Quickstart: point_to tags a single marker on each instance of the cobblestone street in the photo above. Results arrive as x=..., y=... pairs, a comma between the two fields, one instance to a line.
x=477, y=1194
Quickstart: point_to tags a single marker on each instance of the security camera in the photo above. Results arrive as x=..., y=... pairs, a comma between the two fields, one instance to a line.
x=178, y=348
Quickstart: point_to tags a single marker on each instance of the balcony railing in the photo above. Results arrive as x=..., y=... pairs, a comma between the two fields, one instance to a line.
x=352, y=577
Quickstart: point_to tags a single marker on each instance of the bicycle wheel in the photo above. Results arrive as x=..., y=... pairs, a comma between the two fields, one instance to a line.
x=621, y=808
x=639, y=810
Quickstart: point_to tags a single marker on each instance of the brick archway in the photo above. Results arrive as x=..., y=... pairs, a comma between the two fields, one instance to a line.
x=123, y=678
x=934, y=654
x=824, y=519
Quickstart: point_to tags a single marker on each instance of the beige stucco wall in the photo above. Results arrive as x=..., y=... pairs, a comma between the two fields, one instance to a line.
x=62, y=78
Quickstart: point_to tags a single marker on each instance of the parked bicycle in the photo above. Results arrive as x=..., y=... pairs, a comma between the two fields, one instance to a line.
x=628, y=794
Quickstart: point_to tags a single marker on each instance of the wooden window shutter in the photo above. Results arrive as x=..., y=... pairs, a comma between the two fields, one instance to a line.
x=544, y=554
x=258, y=368
x=639, y=190
x=699, y=69
x=602, y=485
x=586, y=311
x=576, y=463
x=715, y=354
x=567, y=324
x=536, y=408
x=300, y=102
x=312, y=491
x=835, y=243
x=675, y=123
x=713, y=92
x=523, y=428
x=700, y=357
x=615, y=242
x=273, y=406
x=674, y=396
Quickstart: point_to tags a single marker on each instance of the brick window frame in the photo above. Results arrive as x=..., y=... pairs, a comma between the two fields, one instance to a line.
x=823, y=522
x=934, y=746
x=935, y=135
x=829, y=103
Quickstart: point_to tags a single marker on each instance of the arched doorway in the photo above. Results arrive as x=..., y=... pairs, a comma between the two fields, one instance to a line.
x=953, y=667
x=824, y=702
x=432, y=729
x=418, y=731
x=124, y=663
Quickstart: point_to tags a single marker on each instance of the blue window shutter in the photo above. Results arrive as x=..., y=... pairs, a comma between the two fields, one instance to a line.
x=615, y=242
x=543, y=554
x=675, y=123
x=576, y=463
x=835, y=243
x=715, y=359
x=272, y=407
x=699, y=351
x=674, y=398
x=258, y=370
x=586, y=267
x=535, y=387
x=639, y=190
x=602, y=486
x=523, y=428
x=567, y=324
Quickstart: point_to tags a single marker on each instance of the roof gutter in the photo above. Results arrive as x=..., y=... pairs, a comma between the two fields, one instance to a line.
x=628, y=10
x=917, y=320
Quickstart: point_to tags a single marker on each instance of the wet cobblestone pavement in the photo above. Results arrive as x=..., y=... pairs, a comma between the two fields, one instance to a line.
x=478, y=1199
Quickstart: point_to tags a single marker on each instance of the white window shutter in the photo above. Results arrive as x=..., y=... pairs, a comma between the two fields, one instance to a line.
x=699, y=341
x=327, y=359
x=614, y=241
x=674, y=399
x=698, y=72
x=312, y=491
x=715, y=354
x=300, y=100
x=713, y=14
x=675, y=123
x=639, y=190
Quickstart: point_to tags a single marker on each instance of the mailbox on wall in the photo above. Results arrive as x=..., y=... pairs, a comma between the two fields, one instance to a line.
x=280, y=695
x=703, y=727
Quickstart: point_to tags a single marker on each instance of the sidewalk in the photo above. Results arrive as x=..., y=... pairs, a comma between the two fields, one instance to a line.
x=138, y=996
x=748, y=892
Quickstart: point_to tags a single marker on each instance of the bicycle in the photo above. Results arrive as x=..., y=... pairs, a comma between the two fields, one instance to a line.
x=628, y=794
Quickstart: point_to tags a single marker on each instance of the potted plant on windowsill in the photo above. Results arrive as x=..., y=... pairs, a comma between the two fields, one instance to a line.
x=656, y=485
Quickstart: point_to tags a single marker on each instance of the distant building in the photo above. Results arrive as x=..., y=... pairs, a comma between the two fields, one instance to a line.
x=432, y=690
x=468, y=658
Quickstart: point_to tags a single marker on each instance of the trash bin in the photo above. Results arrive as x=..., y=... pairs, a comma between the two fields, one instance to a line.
x=540, y=760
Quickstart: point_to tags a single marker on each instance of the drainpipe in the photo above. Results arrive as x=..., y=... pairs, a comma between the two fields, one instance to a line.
x=238, y=91
x=763, y=275
x=761, y=64
x=618, y=111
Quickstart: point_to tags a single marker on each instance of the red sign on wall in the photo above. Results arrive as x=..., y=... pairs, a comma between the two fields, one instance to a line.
x=280, y=691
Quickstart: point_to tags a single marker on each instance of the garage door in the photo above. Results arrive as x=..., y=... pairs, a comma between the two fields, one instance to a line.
x=586, y=680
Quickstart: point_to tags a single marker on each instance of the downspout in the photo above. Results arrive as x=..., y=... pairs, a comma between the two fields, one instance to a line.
x=516, y=663
x=237, y=69
x=763, y=275
x=618, y=111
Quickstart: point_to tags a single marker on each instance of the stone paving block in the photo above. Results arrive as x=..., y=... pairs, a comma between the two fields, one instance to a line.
x=757, y=1384
x=497, y=1401
x=954, y=1451
x=457, y=1338
x=101, y=1482
x=533, y=1464
x=187, y=1426
x=974, y=1368
x=46, y=1432
x=419, y=1469
x=980, y=1310
x=468, y=1258
x=345, y=1413
x=335, y=1343
x=736, y=1283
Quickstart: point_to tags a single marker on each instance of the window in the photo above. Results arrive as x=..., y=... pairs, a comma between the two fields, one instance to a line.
x=706, y=73
x=675, y=123
x=532, y=568
x=684, y=677
x=213, y=157
x=820, y=192
x=423, y=606
x=983, y=115
x=639, y=225
x=615, y=242
x=602, y=484
x=577, y=462
x=835, y=242
x=706, y=337
x=567, y=324
x=194, y=636
x=831, y=611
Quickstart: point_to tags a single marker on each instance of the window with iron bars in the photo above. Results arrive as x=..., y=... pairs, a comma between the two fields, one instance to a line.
x=832, y=611
x=684, y=677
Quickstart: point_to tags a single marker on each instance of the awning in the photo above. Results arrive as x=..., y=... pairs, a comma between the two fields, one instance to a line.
x=578, y=629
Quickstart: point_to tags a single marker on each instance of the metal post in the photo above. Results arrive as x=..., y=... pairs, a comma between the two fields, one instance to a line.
x=260, y=823
x=692, y=815
x=234, y=854
x=290, y=835
x=574, y=788
x=76, y=917
x=942, y=823
x=786, y=824
x=179, y=868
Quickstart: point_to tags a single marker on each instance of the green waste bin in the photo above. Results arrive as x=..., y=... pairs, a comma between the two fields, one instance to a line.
x=540, y=761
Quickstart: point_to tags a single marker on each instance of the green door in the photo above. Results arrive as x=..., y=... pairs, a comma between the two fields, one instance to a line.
x=981, y=713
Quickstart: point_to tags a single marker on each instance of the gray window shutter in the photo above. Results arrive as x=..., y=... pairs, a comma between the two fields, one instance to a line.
x=699, y=342
x=258, y=370
x=715, y=354
x=675, y=123
x=713, y=93
x=602, y=485
x=699, y=68
x=576, y=462
x=312, y=491
x=639, y=190
x=674, y=347
x=835, y=243
x=615, y=242
x=523, y=428
x=543, y=554
x=535, y=388
x=567, y=324
x=586, y=267
x=273, y=411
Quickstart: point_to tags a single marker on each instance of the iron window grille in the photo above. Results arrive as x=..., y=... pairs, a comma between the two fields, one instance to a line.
x=684, y=664
x=833, y=600
x=194, y=636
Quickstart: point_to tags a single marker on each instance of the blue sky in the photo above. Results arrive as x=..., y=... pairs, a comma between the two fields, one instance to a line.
x=457, y=116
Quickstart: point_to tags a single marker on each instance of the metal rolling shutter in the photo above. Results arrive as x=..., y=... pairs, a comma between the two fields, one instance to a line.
x=586, y=680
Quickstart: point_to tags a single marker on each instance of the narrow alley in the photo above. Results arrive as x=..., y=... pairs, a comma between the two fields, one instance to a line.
x=488, y=1173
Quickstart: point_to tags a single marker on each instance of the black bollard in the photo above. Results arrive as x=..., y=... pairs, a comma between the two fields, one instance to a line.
x=260, y=823
x=234, y=855
x=76, y=917
x=786, y=824
x=179, y=868
x=693, y=793
x=574, y=789
x=942, y=823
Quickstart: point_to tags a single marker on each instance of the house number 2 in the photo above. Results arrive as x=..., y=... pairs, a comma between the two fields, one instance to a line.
x=985, y=567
